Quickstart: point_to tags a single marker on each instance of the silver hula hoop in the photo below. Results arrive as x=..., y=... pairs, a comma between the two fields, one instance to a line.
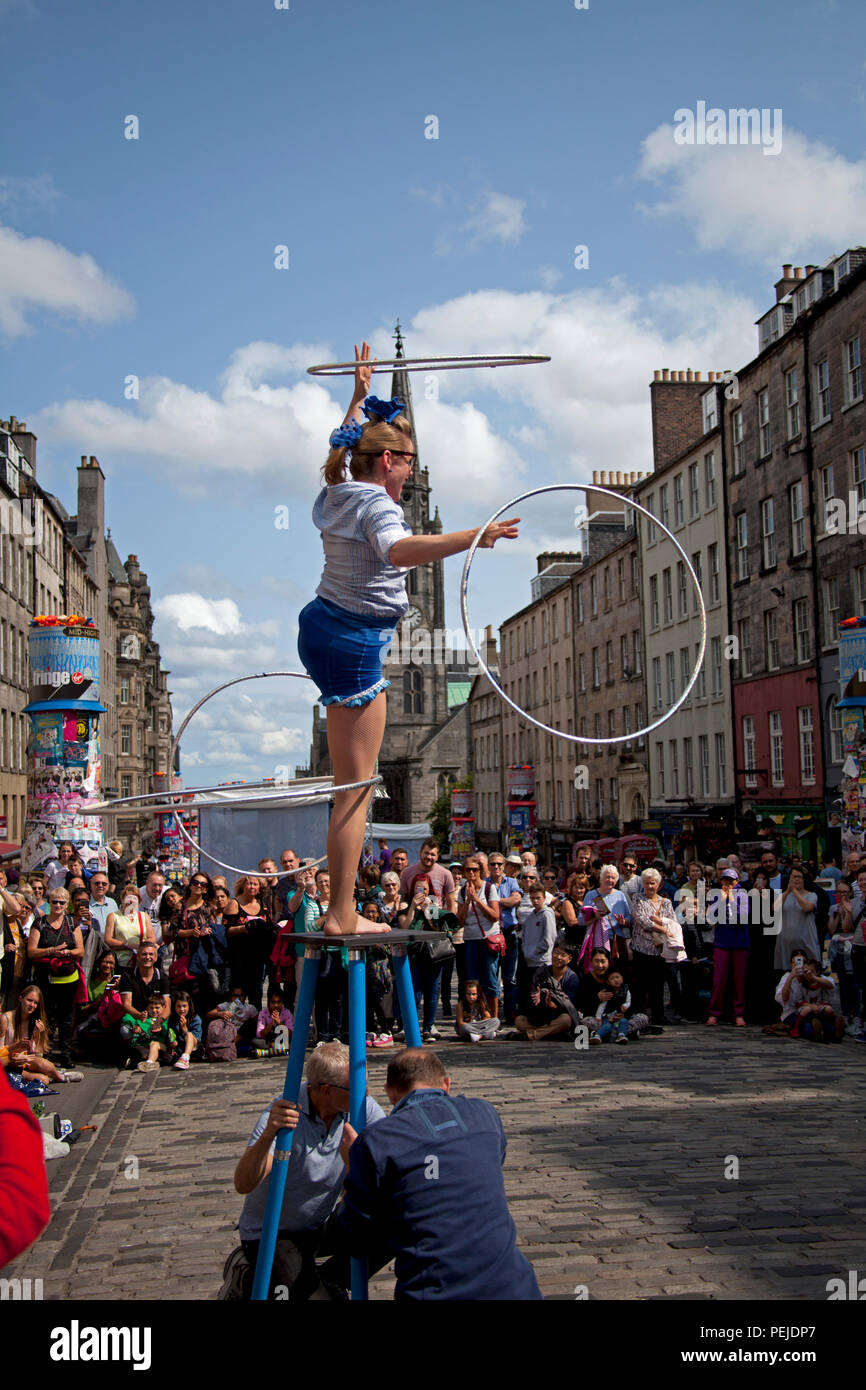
x=322, y=794
x=464, y=613
x=425, y=364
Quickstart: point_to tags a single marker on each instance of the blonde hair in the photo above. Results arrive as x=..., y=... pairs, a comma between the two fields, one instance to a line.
x=376, y=437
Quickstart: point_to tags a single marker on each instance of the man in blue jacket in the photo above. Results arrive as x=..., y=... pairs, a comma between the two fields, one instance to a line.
x=423, y=1180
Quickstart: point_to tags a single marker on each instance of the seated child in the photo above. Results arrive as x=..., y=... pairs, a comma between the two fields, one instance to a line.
x=612, y=1014
x=187, y=1028
x=474, y=1020
x=232, y=1024
x=807, y=1008
x=151, y=1039
x=274, y=1028
x=551, y=1011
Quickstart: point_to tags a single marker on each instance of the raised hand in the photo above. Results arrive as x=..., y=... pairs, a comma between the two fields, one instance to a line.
x=363, y=374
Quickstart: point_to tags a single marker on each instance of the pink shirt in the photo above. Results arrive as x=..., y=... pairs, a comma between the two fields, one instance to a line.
x=441, y=881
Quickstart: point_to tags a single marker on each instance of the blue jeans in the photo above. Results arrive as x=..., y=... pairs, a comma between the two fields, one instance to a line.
x=482, y=965
x=425, y=980
x=607, y=1026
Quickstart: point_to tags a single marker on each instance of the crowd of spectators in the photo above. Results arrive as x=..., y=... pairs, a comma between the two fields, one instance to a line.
x=125, y=967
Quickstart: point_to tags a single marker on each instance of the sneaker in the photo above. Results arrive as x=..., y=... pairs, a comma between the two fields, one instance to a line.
x=595, y=1040
x=182, y=1063
x=383, y=1040
x=148, y=1066
x=371, y=1039
x=620, y=1038
x=399, y=1035
x=433, y=1032
x=654, y=1029
x=429, y=1037
x=71, y=1075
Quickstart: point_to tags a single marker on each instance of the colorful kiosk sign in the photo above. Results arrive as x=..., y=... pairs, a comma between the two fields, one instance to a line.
x=63, y=764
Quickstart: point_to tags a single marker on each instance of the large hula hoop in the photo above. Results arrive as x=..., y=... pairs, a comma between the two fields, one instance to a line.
x=654, y=521
x=323, y=793
x=425, y=364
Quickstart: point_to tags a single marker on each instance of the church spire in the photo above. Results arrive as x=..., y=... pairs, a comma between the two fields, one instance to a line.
x=400, y=382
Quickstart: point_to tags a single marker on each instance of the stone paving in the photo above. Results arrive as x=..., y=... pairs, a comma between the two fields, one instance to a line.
x=616, y=1170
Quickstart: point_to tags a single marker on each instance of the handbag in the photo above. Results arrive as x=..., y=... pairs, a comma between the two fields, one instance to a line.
x=496, y=944
x=437, y=952
x=179, y=972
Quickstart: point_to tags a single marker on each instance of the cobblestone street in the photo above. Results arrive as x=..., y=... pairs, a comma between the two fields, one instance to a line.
x=615, y=1171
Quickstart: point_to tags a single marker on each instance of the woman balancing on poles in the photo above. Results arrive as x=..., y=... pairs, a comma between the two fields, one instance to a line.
x=344, y=633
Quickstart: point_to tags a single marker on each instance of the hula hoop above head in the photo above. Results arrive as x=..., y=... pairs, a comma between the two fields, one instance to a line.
x=298, y=794
x=426, y=364
x=464, y=613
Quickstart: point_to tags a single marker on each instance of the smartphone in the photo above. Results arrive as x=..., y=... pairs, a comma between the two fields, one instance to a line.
x=114, y=981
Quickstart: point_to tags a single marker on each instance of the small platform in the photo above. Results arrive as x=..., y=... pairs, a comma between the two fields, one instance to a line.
x=357, y=939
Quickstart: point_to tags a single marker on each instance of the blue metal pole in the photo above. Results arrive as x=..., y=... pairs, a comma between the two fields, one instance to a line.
x=406, y=995
x=358, y=1078
x=291, y=1091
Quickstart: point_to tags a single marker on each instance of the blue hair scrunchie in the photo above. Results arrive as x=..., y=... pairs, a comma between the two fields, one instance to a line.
x=345, y=436
x=374, y=409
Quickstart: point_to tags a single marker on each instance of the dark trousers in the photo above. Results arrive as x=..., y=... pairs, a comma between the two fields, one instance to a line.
x=509, y=972
x=648, y=986
x=672, y=975
x=295, y=1254
x=60, y=1008
x=331, y=998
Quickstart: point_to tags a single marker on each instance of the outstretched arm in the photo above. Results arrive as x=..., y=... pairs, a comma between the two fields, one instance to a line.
x=420, y=550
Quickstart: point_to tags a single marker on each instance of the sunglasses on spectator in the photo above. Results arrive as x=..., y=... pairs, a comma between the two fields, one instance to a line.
x=472, y=868
x=199, y=882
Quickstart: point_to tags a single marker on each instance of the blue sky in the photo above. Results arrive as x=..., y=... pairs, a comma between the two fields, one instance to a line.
x=306, y=127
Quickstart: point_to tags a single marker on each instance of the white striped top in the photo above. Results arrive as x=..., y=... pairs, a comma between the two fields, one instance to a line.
x=359, y=523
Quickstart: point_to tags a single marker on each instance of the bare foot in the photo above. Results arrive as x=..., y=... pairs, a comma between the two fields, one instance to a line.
x=358, y=926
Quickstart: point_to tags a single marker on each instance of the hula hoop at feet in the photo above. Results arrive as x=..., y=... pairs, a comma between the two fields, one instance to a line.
x=464, y=613
x=323, y=793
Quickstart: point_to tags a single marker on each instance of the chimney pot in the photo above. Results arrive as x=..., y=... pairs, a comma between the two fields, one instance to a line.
x=595, y=475
x=657, y=376
x=798, y=272
x=681, y=376
x=665, y=374
x=810, y=268
x=690, y=376
x=786, y=272
x=83, y=460
x=697, y=376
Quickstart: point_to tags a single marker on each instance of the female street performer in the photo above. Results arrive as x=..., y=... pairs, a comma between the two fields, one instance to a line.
x=346, y=630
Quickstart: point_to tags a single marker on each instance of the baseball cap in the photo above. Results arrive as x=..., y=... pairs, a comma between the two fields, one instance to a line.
x=730, y=873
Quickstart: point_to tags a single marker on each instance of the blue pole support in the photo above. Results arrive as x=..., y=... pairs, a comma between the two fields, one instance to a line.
x=406, y=995
x=358, y=1079
x=291, y=1091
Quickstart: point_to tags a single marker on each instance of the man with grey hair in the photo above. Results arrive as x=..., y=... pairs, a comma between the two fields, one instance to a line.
x=314, y=1178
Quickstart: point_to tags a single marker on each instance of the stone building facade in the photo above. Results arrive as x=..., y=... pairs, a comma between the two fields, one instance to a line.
x=52, y=562
x=796, y=440
x=144, y=714
x=692, y=785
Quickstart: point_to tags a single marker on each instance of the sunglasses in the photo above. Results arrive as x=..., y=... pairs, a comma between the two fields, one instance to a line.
x=198, y=882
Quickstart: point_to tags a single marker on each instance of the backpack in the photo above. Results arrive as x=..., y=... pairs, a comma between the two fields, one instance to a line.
x=221, y=1042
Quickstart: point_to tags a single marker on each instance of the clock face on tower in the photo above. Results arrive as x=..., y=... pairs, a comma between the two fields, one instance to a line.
x=414, y=616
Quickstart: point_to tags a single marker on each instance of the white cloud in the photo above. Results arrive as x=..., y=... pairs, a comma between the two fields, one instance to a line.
x=496, y=217
x=194, y=610
x=251, y=428
x=36, y=274
x=803, y=204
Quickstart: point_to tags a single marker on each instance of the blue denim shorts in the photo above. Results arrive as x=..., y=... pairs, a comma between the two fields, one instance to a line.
x=343, y=652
